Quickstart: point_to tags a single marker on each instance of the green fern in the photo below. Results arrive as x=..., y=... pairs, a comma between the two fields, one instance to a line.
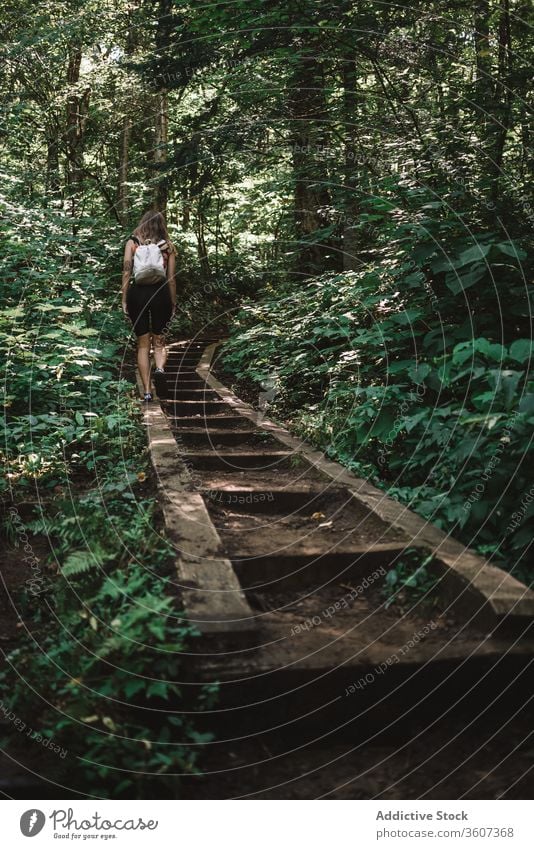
x=82, y=562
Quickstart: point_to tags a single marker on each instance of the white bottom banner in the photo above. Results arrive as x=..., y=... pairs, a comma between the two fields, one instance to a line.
x=262, y=825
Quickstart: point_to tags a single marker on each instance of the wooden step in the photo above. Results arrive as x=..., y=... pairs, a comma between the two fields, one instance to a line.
x=191, y=346
x=188, y=408
x=193, y=394
x=222, y=436
x=179, y=381
x=304, y=477
x=235, y=460
x=183, y=358
x=305, y=680
x=183, y=373
x=268, y=500
x=289, y=569
x=209, y=422
x=178, y=376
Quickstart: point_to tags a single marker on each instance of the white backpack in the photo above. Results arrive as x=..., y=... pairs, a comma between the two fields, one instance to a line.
x=148, y=264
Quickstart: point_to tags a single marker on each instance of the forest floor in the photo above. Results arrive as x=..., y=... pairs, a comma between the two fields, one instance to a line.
x=491, y=760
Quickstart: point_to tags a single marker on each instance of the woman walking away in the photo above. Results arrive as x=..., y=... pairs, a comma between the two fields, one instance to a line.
x=150, y=299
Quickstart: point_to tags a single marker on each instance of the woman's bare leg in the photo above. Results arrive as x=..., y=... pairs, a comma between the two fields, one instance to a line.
x=143, y=359
x=160, y=351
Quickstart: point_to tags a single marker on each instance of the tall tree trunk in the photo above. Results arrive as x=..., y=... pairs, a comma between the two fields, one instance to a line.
x=200, y=232
x=309, y=148
x=186, y=212
x=160, y=151
x=163, y=39
x=77, y=109
x=483, y=86
x=503, y=98
x=53, y=183
x=351, y=204
x=485, y=98
x=188, y=181
x=123, y=204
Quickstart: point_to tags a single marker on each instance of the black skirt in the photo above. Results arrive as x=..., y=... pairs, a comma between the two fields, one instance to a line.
x=149, y=307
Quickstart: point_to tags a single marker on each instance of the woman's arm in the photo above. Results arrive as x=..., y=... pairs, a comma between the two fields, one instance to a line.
x=171, y=269
x=127, y=266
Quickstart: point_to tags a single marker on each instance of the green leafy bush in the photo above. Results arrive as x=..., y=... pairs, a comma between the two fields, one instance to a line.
x=105, y=651
x=410, y=379
x=98, y=670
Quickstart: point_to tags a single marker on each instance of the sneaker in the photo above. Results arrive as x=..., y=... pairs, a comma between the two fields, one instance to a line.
x=160, y=383
x=147, y=397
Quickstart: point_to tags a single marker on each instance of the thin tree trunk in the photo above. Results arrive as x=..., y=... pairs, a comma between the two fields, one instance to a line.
x=163, y=38
x=123, y=201
x=202, y=250
x=309, y=143
x=218, y=234
x=53, y=184
x=160, y=151
x=503, y=98
x=351, y=205
x=481, y=15
x=77, y=109
x=186, y=214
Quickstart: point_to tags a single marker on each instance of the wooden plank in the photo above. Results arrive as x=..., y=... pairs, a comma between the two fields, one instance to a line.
x=212, y=596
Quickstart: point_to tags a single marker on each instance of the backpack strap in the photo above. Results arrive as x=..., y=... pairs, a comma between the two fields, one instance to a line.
x=163, y=245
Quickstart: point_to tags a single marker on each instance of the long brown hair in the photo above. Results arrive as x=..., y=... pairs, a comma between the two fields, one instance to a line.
x=152, y=228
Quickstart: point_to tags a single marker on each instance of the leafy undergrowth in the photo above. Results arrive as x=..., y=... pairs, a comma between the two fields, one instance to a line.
x=416, y=373
x=103, y=645
x=96, y=668
x=412, y=581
